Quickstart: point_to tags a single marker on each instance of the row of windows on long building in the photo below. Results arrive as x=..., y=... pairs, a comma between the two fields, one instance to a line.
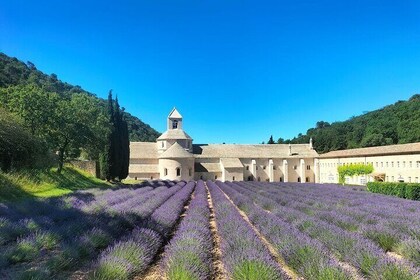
x=377, y=164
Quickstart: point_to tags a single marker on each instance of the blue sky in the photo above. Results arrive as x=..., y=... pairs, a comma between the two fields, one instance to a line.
x=238, y=71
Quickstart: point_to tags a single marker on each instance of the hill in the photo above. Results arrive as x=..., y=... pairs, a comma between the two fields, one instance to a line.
x=398, y=123
x=14, y=72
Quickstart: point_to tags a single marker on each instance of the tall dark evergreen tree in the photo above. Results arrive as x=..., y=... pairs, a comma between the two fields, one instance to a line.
x=125, y=145
x=117, y=152
x=109, y=154
x=271, y=141
x=116, y=168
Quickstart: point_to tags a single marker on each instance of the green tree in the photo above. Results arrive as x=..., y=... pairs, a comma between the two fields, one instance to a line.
x=17, y=146
x=271, y=141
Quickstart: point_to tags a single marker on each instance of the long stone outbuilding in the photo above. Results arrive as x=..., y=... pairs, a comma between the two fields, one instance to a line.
x=175, y=157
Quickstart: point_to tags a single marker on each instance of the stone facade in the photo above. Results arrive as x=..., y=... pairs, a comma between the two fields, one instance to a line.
x=394, y=163
x=175, y=157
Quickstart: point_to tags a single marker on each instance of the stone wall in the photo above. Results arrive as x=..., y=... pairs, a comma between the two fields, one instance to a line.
x=89, y=166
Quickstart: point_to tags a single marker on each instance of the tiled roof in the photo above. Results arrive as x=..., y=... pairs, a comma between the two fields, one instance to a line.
x=144, y=168
x=176, y=151
x=231, y=163
x=147, y=150
x=412, y=148
x=174, y=134
x=207, y=167
x=252, y=151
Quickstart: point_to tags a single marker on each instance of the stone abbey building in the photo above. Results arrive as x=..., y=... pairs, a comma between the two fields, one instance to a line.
x=175, y=157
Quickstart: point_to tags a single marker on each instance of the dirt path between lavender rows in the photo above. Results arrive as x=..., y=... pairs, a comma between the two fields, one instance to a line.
x=219, y=270
x=154, y=271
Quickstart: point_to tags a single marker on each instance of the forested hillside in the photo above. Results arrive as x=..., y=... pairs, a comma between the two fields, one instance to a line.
x=398, y=123
x=16, y=73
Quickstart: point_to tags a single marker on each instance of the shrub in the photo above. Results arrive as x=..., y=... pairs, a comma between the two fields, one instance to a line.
x=403, y=190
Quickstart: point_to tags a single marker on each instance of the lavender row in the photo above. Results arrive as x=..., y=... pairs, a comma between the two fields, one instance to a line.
x=306, y=256
x=64, y=234
x=391, y=233
x=347, y=246
x=132, y=255
x=243, y=254
x=188, y=255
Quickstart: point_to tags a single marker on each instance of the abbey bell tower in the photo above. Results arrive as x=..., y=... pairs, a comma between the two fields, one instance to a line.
x=174, y=120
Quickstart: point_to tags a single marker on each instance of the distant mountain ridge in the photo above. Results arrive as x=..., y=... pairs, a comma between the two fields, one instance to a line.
x=15, y=72
x=398, y=123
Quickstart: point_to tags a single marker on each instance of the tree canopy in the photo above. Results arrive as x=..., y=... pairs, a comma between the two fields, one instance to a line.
x=16, y=73
x=398, y=123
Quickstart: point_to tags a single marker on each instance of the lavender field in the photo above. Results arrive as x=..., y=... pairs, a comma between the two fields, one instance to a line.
x=212, y=230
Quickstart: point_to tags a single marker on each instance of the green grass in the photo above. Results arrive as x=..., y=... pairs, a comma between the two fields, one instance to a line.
x=45, y=183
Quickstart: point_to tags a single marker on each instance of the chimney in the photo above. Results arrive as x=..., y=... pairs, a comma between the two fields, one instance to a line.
x=311, y=146
x=290, y=149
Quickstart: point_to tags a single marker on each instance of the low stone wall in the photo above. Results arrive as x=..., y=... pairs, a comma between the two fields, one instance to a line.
x=89, y=166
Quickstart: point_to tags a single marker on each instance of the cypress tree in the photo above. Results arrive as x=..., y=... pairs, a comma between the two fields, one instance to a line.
x=125, y=145
x=116, y=169
x=109, y=154
x=270, y=141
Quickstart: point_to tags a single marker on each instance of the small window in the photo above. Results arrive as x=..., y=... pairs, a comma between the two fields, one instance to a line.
x=247, y=167
x=256, y=167
x=281, y=179
x=178, y=171
x=165, y=172
x=201, y=177
x=163, y=144
x=274, y=167
x=307, y=179
x=403, y=164
x=249, y=178
x=294, y=167
x=215, y=177
x=308, y=167
x=233, y=178
x=174, y=124
x=409, y=179
x=151, y=177
x=392, y=164
x=410, y=164
x=387, y=164
x=264, y=167
x=398, y=164
x=298, y=180
x=135, y=178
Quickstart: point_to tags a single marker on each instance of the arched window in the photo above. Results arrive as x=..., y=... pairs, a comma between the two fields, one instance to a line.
x=299, y=179
x=178, y=171
x=165, y=172
x=233, y=178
